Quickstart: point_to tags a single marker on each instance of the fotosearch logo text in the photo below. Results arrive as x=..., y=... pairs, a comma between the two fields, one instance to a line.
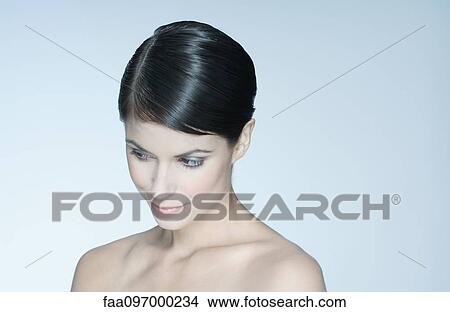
x=275, y=208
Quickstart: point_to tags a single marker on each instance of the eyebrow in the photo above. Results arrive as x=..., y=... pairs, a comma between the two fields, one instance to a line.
x=180, y=155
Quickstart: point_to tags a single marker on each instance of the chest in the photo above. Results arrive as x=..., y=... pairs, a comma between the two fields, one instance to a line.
x=219, y=272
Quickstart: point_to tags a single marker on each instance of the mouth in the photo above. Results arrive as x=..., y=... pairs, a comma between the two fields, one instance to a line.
x=168, y=210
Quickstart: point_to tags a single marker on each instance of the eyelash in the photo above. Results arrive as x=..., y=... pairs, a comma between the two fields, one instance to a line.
x=197, y=163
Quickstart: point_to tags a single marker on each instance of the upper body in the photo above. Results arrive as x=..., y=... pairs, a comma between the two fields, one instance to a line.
x=186, y=101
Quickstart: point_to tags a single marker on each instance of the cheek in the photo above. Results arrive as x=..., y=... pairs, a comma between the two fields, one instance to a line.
x=213, y=178
x=137, y=173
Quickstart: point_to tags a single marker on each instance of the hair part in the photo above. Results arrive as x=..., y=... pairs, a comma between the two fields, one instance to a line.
x=190, y=77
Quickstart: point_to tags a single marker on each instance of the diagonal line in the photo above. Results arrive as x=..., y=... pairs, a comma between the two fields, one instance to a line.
x=412, y=259
x=38, y=259
x=70, y=52
x=351, y=69
x=86, y=62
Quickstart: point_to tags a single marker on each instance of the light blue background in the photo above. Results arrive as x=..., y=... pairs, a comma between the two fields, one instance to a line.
x=382, y=128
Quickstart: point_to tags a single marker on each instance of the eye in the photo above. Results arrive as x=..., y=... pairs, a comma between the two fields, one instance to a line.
x=191, y=163
x=139, y=155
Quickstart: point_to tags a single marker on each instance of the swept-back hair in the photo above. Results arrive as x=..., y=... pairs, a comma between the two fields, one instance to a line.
x=191, y=77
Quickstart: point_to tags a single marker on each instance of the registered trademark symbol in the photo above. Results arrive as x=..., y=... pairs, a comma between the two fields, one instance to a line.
x=396, y=199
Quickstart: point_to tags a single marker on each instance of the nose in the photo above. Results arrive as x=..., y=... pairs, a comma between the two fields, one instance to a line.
x=162, y=184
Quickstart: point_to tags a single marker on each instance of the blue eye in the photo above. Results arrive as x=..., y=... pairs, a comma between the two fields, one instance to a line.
x=140, y=155
x=191, y=163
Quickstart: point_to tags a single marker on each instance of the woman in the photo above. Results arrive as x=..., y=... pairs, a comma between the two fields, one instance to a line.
x=186, y=102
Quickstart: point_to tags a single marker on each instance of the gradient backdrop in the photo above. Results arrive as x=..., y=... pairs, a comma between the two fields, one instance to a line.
x=374, y=118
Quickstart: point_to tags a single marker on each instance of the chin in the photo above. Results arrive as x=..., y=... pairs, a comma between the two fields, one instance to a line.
x=173, y=226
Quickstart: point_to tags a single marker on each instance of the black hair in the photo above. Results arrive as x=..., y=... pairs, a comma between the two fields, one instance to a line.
x=191, y=77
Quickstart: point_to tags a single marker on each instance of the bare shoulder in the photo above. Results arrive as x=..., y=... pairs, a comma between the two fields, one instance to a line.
x=287, y=267
x=98, y=268
x=297, y=272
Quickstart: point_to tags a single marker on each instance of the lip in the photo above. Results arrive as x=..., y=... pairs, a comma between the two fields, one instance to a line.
x=168, y=210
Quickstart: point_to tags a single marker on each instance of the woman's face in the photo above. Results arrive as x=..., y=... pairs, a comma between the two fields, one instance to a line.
x=162, y=160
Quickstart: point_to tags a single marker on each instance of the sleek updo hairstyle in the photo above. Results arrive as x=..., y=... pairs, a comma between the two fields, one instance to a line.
x=190, y=77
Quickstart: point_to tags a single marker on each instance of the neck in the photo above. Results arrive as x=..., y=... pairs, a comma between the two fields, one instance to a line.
x=201, y=234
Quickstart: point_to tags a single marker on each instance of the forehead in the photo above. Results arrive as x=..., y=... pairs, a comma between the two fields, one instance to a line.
x=159, y=137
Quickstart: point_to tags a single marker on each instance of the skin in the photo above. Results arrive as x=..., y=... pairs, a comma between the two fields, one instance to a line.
x=187, y=254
